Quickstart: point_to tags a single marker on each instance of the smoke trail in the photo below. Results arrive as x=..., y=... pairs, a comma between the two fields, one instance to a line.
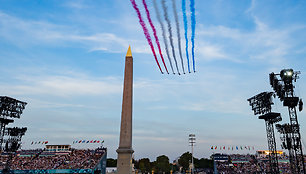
x=154, y=33
x=163, y=33
x=193, y=22
x=186, y=29
x=146, y=32
x=170, y=32
x=178, y=32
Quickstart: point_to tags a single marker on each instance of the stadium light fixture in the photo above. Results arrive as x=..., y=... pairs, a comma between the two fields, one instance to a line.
x=286, y=74
x=300, y=105
x=13, y=143
x=285, y=131
x=283, y=86
x=191, y=143
x=262, y=105
x=10, y=107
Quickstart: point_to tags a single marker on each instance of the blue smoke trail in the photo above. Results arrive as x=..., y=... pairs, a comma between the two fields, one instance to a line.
x=193, y=22
x=185, y=28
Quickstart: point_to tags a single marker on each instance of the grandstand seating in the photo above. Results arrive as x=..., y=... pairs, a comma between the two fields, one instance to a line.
x=25, y=160
x=246, y=163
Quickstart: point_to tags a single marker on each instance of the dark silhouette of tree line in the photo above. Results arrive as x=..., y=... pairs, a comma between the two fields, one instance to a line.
x=162, y=164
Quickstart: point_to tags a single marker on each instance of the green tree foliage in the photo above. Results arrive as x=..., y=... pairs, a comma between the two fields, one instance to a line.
x=204, y=163
x=144, y=165
x=111, y=162
x=184, y=160
x=162, y=164
x=153, y=166
x=136, y=163
x=174, y=168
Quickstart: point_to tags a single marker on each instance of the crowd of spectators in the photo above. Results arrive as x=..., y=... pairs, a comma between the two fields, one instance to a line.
x=238, y=163
x=75, y=159
x=226, y=168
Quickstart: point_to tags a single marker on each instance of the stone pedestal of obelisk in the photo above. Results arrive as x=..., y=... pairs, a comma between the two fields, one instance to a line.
x=125, y=151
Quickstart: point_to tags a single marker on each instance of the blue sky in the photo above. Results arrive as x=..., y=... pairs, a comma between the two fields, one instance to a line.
x=66, y=59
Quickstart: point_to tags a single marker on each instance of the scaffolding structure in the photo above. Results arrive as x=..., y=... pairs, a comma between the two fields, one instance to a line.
x=262, y=105
x=10, y=109
x=282, y=84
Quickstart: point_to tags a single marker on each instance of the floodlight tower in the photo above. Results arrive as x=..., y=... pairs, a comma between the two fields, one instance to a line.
x=191, y=143
x=286, y=131
x=9, y=108
x=284, y=88
x=13, y=143
x=261, y=104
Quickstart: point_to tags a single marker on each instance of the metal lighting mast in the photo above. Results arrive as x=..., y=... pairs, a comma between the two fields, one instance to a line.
x=13, y=143
x=9, y=108
x=191, y=143
x=286, y=131
x=283, y=86
x=261, y=104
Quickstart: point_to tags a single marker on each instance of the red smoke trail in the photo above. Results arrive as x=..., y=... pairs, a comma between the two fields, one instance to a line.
x=146, y=32
x=154, y=32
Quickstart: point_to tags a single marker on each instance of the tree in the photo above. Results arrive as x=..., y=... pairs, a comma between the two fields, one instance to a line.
x=153, y=166
x=196, y=162
x=144, y=165
x=162, y=164
x=174, y=167
x=110, y=162
x=184, y=160
x=136, y=163
x=205, y=163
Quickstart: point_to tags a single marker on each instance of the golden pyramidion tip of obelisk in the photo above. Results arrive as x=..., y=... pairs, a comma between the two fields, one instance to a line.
x=129, y=52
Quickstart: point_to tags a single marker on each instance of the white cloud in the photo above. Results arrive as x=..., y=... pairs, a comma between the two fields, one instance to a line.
x=263, y=44
x=212, y=91
x=212, y=42
x=76, y=4
x=109, y=42
x=63, y=86
x=212, y=52
x=158, y=139
x=219, y=105
x=28, y=33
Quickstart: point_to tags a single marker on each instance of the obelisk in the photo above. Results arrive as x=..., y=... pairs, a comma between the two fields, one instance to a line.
x=125, y=151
